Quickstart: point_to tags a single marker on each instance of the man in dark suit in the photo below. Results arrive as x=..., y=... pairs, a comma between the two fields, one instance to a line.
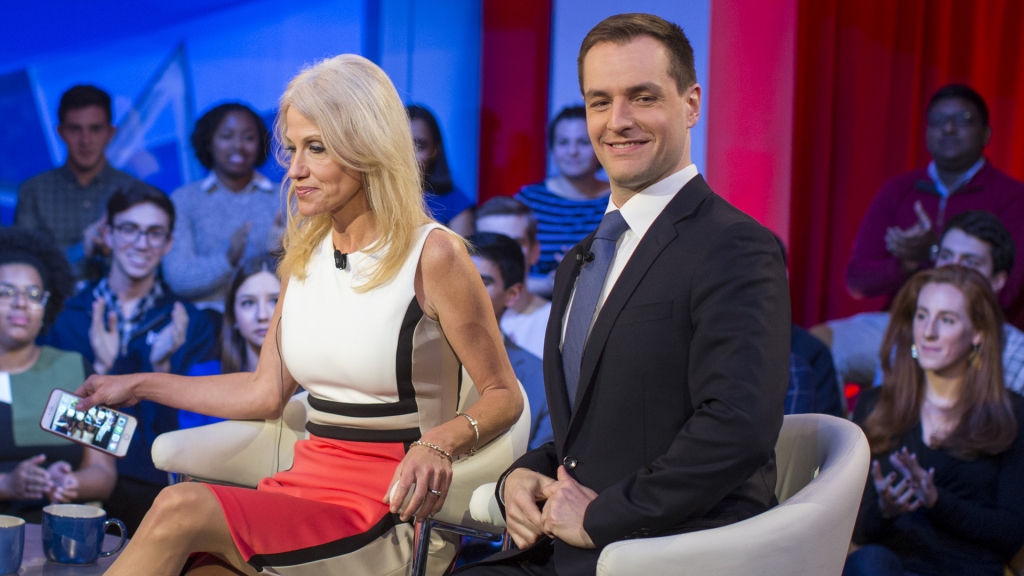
x=666, y=358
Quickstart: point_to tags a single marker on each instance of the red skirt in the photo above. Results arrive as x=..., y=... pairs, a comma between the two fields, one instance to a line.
x=326, y=514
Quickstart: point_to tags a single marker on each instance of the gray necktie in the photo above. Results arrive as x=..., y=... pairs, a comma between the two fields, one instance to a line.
x=584, y=301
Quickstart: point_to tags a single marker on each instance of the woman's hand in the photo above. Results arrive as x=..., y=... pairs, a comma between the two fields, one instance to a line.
x=27, y=481
x=893, y=500
x=431, y=473
x=112, y=391
x=64, y=483
x=924, y=480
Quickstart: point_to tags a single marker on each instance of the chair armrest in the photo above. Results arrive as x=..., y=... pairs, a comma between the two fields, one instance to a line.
x=240, y=452
x=483, y=506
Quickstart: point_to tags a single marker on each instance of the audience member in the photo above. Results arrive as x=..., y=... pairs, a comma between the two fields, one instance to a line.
x=570, y=204
x=128, y=322
x=235, y=213
x=447, y=204
x=36, y=466
x=899, y=231
x=813, y=386
x=67, y=202
x=499, y=259
x=251, y=299
x=526, y=319
x=976, y=239
x=943, y=495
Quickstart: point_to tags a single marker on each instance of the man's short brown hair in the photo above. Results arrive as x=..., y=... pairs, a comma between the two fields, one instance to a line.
x=507, y=206
x=624, y=28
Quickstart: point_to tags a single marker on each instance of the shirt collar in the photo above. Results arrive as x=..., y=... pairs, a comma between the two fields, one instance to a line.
x=964, y=178
x=643, y=208
x=259, y=182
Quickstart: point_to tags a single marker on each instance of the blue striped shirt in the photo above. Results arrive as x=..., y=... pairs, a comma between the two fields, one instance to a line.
x=561, y=223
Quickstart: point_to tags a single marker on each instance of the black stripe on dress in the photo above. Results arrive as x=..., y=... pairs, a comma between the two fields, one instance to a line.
x=358, y=410
x=403, y=356
x=363, y=434
x=324, y=551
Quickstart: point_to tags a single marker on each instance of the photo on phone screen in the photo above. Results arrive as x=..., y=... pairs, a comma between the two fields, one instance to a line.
x=98, y=426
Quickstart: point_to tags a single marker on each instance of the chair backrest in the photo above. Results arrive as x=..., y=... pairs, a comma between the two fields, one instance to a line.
x=809, y=445
x=486, y=465
x=808, y=534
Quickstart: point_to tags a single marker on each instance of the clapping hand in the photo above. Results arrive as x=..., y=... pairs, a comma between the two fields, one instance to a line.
x=170, y=339
x=239, y=240
x=64, y=484
x=923, y=480
x=912, y=245
x=92, y=237
x=104, y=337
x=893, y=500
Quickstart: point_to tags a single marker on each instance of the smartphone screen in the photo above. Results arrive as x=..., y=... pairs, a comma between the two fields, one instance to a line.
x=99, y=427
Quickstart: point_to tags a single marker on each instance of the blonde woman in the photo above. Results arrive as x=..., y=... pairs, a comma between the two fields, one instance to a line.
x=379, y=304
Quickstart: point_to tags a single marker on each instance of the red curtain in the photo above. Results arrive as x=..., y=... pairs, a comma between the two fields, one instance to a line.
x=865, y=72
x=514, y=98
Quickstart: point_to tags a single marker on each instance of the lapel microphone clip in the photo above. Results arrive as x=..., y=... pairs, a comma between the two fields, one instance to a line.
x=340, y=260
x=588, y=257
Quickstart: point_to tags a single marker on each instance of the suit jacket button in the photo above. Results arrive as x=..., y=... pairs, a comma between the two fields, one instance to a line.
x=569, y=462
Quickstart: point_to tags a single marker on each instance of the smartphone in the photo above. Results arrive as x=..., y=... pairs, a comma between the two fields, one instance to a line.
x=98, y=427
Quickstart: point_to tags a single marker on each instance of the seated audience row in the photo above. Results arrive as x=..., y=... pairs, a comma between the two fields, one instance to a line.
x=976, y=239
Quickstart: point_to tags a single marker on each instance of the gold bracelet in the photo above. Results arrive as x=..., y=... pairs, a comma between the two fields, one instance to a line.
x=476, y=430
x=442, y=451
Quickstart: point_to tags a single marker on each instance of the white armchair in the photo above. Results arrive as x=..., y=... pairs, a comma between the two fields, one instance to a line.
x=242, y=453
x=822, y=467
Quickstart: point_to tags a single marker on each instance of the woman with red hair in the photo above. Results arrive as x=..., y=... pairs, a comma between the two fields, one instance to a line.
x=943, y=495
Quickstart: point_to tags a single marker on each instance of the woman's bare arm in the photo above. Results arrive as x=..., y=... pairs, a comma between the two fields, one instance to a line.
x=454, y=295
x=449, y=289
x=242, y=396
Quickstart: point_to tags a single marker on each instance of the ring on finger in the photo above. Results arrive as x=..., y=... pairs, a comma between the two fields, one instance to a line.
x=437, y=493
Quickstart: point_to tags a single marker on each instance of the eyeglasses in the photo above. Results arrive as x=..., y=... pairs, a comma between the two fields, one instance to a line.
x=129, y=233
x=35, y=296
x=959, y=119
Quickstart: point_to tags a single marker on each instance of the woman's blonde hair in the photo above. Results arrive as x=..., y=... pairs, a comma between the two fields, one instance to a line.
x=363, y=125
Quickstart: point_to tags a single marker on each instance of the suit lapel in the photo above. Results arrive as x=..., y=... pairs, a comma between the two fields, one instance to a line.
x=658, y=236
x=554, y=377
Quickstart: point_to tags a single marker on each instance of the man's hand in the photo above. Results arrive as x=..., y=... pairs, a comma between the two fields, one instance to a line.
x=563, y=513
x=104, y=337
x=170, y=339
x=523, y=490
x=92, y=237
x=912, y=245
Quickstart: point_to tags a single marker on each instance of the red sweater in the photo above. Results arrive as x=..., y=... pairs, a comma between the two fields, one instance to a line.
x=872, y=271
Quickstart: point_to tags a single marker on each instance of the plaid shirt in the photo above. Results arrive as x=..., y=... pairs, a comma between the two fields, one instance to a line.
x=127, y=326
x=56, y=203
x=1013, y=358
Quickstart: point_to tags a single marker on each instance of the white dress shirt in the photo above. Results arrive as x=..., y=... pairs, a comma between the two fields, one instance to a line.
x=639, y=212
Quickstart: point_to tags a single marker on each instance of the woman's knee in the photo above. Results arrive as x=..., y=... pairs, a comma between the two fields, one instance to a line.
x=873, y=560
x=179, y=506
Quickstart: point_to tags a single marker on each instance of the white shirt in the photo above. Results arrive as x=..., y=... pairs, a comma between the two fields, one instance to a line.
x=527, y=330
x=639, y=212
